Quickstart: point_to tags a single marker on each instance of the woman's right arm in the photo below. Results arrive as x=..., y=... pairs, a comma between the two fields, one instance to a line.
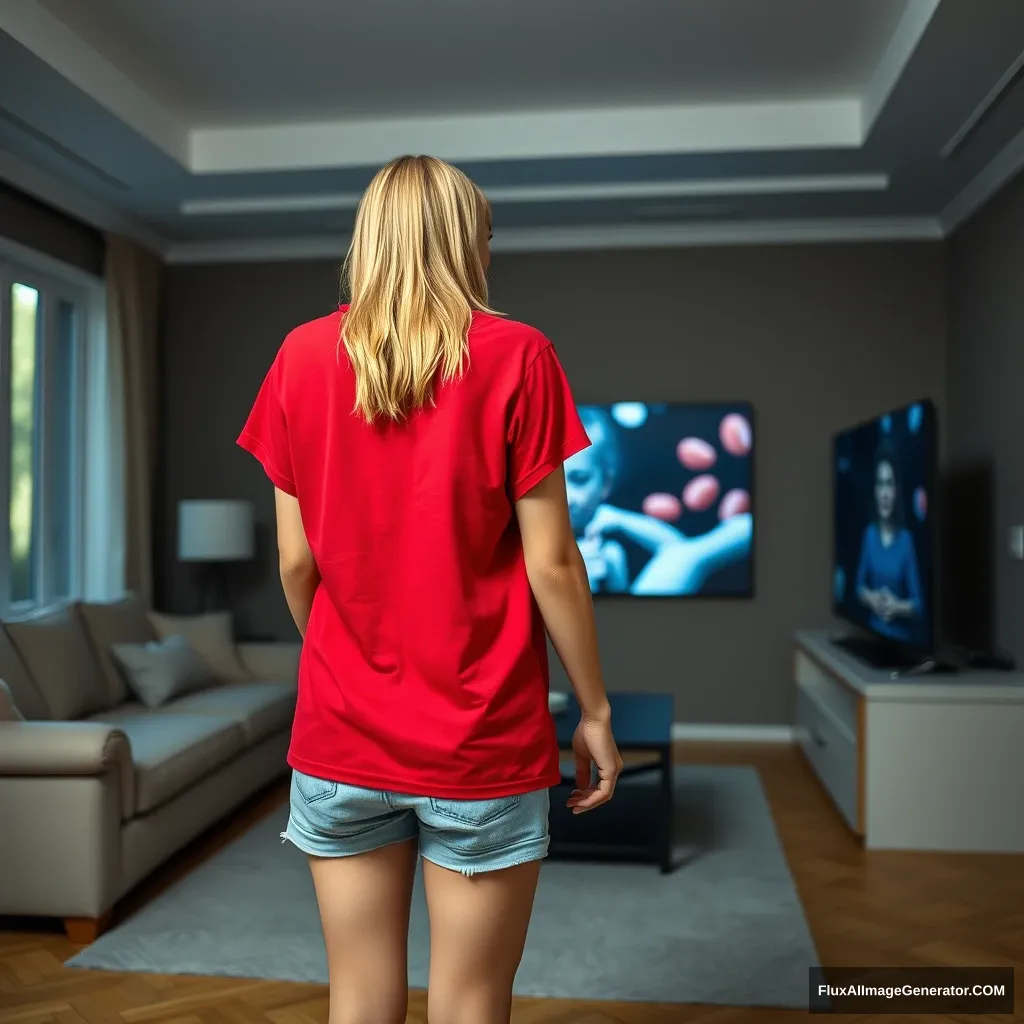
x=559, y=582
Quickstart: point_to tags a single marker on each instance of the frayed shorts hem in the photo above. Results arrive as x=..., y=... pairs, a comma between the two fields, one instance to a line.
x=332, y=852
x=330, y=820
x=499, y=860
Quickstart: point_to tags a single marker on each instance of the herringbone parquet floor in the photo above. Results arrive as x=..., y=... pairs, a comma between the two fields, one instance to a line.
x=865, y=909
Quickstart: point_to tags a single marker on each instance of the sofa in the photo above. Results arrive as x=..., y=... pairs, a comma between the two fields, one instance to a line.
x=99, y=787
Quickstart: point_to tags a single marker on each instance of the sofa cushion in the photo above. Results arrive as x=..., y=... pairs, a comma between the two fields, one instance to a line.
x=211, y=636
x=57, y=654
x=260, y=708
x=29, y=701
x=172, y=752
x=271, y=659
x=115, y=622
x=162, y=670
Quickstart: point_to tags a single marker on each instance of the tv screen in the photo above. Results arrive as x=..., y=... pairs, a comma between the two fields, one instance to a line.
x=884, y=473
x=661, y=502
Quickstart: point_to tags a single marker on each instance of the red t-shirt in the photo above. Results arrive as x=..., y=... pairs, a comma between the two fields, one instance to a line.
x=424, y=667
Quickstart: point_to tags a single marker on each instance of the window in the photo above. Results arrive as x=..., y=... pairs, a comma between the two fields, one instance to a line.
x=42, y=337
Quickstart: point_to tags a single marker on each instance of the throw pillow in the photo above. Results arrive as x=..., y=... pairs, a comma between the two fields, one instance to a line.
x=8, y=709
x=115, y=622
x=157, y=672
x=211, y=637
x=24, y=692
x=55, y=650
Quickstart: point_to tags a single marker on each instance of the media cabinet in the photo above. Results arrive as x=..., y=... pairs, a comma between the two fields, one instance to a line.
x=920, y=763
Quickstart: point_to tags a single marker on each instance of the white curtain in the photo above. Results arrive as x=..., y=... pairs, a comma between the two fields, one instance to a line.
x=122, y=439
x=105, y=504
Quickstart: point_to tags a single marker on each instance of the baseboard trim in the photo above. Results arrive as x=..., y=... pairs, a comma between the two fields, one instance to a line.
x=684, y=731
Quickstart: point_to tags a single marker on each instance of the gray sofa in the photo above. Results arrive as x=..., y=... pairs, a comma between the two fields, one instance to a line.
x=96, y=789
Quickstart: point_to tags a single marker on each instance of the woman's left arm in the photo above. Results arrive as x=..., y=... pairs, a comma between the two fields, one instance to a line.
x=299, y=573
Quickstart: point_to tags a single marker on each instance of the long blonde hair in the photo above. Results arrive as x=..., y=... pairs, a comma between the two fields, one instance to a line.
x=414, y=276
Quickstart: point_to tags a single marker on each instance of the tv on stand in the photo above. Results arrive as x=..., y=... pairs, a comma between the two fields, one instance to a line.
x=883, y=580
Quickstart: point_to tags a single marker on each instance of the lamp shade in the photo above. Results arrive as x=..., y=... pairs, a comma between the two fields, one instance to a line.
x=215, y=531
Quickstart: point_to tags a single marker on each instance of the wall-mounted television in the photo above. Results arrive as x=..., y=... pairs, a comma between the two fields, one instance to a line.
x=662, y=500
x=883, y=574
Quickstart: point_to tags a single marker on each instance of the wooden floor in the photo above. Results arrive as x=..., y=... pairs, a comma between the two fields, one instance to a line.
x=865, y=909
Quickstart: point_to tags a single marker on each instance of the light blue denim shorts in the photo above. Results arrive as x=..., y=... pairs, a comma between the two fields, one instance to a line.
x=332, y=819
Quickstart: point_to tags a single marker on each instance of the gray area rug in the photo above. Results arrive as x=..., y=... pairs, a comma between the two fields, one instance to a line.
x=726, y=927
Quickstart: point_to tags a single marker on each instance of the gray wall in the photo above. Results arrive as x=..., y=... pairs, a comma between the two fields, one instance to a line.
x=33, y=224
x=815, y=337
x=986, y=411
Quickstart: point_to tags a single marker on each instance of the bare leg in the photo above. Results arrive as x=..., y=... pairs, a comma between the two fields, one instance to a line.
x=478, y=927
x=364, y=908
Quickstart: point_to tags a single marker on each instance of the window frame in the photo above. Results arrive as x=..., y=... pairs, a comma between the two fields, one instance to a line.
x=55, y=282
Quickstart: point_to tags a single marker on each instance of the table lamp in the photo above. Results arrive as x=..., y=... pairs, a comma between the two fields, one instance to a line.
x=215, y=534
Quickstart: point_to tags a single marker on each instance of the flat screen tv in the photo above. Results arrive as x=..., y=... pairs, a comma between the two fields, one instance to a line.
x=883, y=573
x=662, y=500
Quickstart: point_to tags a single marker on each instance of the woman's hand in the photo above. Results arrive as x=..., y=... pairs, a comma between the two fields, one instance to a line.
x=645, y=531
x=885, y=604
x=607, y=519
x=594, y=744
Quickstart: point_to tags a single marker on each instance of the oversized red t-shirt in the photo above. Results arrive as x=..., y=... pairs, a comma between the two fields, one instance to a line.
x=424, y=667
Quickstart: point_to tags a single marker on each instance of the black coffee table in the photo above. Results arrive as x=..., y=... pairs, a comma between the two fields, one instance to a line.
x=642, y=723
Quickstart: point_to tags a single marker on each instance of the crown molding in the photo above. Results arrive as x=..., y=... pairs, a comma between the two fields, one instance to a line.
x=35, y=28
x=76, y=203
x=597, y=237
x=1000, y=171
x=902, y=46
x=691, y=188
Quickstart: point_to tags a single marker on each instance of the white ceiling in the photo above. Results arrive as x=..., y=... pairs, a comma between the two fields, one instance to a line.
x=247, y=61
x=228, y=129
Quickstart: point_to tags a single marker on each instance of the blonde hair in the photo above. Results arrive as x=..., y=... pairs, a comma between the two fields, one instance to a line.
x=414, y=277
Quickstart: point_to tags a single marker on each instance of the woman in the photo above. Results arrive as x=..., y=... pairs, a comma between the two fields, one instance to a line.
x=415, y=439
x=888, y=579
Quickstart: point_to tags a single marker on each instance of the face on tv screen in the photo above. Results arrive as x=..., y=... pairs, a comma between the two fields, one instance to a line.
x=661, y=500
x=882, y=573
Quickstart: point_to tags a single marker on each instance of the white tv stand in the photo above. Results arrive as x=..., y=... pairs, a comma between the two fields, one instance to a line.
x=930, y=762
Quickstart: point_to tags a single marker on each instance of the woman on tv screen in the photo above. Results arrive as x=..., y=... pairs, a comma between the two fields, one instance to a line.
x=888, y=578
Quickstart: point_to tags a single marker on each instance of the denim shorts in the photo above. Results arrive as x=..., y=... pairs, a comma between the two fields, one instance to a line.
x=332, y=819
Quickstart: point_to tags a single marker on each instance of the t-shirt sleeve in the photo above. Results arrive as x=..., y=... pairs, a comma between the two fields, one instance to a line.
x=265, y=434
x=546, y=428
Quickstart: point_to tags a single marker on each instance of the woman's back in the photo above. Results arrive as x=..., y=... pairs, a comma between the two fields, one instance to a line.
x=425, y=667
x=415, y=439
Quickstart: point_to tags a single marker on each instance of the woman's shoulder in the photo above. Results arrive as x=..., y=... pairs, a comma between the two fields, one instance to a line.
x=324, y=329
x=517, y=340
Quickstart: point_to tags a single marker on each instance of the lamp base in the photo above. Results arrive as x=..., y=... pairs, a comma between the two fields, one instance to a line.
x=216, y=596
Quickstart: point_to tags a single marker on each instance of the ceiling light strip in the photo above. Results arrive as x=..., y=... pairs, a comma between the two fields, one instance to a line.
x=600, y=191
